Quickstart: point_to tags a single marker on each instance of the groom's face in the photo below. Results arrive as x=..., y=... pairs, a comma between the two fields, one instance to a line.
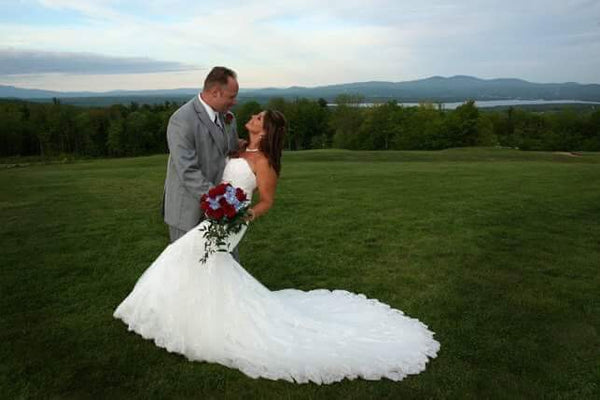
x=225, y=96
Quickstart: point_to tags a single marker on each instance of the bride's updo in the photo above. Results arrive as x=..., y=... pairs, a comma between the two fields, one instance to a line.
x=274, y=126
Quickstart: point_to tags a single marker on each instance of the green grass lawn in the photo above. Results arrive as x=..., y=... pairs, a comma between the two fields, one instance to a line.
x=497, y=251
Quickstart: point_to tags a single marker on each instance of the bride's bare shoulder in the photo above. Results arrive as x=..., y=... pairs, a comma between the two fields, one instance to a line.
x=262, y=164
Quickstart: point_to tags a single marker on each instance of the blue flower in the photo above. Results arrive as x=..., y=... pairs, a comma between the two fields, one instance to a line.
x=213, y=203
x=230, y=197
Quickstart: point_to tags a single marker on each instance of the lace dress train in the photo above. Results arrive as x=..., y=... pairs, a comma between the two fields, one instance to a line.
x=218, y=312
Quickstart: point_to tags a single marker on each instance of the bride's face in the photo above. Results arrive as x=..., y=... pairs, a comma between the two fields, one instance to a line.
x=255, y=124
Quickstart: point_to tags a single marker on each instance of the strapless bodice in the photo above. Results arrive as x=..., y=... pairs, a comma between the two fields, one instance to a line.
x=239, y=174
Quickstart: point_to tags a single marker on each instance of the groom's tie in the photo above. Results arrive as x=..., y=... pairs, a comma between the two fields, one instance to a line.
x=217, y=122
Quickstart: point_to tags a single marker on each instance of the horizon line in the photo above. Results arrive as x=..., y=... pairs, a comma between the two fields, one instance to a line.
x=305, y=87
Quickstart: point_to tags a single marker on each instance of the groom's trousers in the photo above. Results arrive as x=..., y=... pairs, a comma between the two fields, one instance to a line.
x=175, y=233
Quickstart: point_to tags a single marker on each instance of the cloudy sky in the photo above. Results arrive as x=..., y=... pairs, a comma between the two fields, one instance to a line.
x=104, y=45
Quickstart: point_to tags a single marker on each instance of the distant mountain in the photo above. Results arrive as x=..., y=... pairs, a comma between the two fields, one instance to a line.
x=456, y=88
x=437, y=88
x=19, y=93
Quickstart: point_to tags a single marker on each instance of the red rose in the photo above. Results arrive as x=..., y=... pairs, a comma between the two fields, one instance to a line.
x=212, y=192
x=215, y=214
x=204, y=206
x=210, y=213
x=240, y=195
x=220, y=189
x=228, y=117
x=223, y=202
x=229, y=211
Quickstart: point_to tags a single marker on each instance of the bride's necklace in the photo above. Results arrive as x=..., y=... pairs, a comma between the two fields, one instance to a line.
x=252, y=150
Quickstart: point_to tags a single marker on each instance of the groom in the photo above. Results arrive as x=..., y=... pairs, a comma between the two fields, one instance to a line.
x=198, y=143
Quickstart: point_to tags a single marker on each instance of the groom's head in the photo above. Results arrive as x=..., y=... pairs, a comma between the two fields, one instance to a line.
x=220, y=89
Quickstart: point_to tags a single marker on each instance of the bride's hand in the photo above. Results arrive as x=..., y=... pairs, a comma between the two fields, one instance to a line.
x=251, y=215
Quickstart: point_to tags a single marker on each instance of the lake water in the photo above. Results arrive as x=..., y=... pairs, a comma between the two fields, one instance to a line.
x=492, y=103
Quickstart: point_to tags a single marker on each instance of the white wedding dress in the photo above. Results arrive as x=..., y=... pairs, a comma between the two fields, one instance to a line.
x=217, y=312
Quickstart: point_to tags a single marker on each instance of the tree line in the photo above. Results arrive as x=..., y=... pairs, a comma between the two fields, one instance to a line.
x=55, y=129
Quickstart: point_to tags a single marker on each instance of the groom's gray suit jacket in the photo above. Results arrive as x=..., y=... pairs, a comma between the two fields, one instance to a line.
x=197, y=152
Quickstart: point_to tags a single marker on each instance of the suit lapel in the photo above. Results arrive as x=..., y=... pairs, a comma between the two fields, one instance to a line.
x=215, y=132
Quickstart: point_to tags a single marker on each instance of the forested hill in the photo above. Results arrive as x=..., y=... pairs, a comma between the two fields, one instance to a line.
x=456, y=88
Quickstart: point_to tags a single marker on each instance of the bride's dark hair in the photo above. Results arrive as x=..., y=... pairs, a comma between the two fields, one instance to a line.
x=274, y=125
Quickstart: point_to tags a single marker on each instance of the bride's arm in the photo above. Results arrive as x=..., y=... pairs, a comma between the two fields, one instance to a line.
x=266, y=181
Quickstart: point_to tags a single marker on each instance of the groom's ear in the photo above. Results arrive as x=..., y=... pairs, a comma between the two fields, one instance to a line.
x=211, y=92
x=216, y=89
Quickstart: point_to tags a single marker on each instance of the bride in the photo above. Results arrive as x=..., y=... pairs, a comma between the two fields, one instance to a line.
x=218, y=312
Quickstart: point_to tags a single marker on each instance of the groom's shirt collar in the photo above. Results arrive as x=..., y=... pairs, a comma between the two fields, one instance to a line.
x=211, y=113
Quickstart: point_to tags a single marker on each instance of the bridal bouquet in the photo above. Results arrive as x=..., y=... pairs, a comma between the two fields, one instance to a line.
x=226, y=207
